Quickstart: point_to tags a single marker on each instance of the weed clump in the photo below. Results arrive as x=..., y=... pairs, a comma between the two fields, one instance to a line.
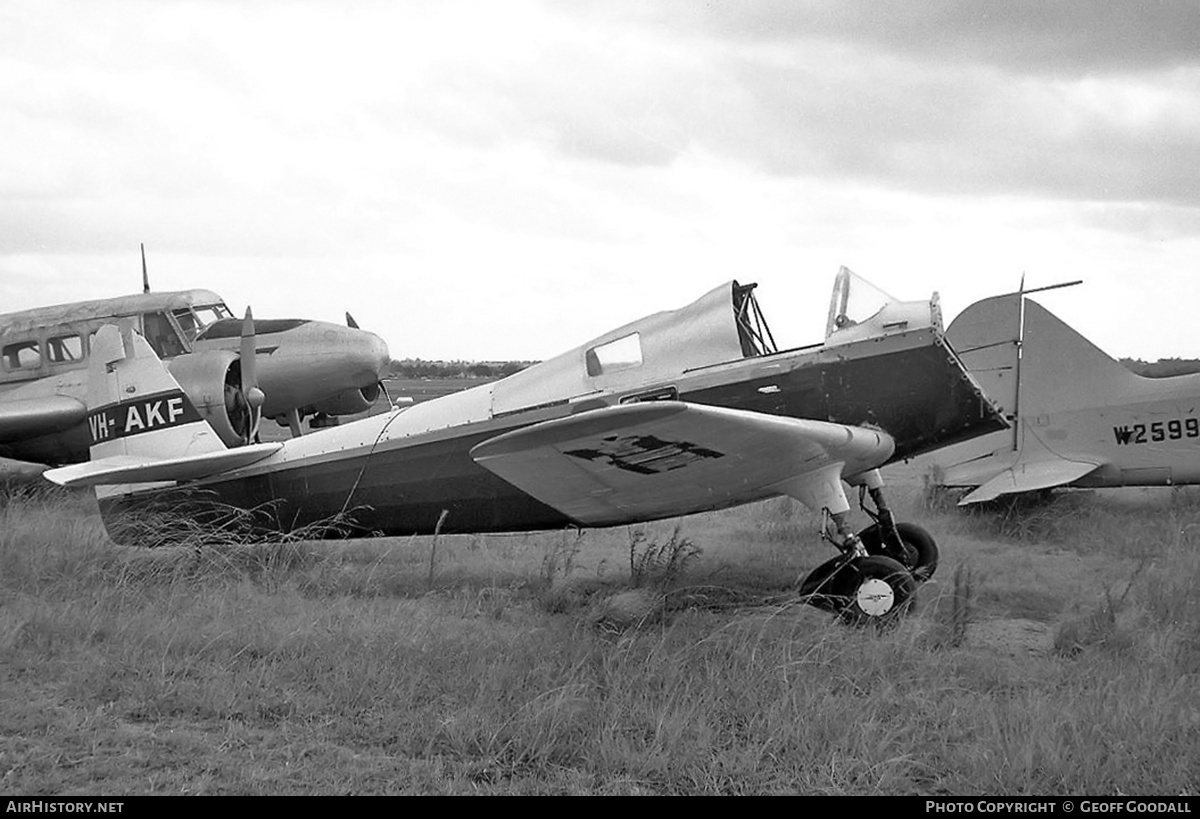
x=935, y=496
x=196, y=519
x=1097, y=628
x=659, y=565
x=956, y=609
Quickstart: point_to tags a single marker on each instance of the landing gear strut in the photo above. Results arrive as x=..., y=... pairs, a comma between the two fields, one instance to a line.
x=878, y=570
x=905, y=543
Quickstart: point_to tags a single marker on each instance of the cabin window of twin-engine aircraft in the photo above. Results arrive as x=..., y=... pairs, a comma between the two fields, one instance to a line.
x=64, y=349
x=619, y=354
x=22, y=355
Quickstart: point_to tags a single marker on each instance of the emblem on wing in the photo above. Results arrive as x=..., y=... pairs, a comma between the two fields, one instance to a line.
x=645, y=454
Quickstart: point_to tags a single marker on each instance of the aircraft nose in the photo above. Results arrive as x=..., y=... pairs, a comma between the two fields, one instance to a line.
x=316, y=360
x=358, y=351
x=375, y=353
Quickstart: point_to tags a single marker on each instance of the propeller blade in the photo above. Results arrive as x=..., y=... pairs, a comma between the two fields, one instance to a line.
x=249, y=361
x=249, y=365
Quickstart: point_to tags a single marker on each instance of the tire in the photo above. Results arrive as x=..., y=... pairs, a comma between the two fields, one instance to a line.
x=822, y=588
x=875, y=589
x=921, y=556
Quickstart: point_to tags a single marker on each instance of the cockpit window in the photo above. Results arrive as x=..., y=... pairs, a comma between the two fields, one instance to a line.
x=192, y=321
x=161, y=335
x=22, y=355
x=855, y=301
x=212, y=312
x=619, y=354
x=187, y=323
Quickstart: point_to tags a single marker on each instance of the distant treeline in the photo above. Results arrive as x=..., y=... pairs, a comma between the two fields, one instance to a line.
x=1164, y=367
x=420, y=368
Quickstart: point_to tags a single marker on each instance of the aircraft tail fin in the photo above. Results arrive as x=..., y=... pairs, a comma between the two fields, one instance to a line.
x=1032, y=362
x=1062, y=370
x=1041, y=371
x=144, y=428
x=987, y=337
x=136, y=407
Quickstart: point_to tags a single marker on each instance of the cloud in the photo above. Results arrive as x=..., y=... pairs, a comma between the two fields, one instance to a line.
x=920, y=128
x=1073, y=38
x=434, y=162
x=1083, y=102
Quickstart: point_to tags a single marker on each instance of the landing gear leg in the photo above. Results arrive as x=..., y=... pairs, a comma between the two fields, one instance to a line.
x=293, y=422
x=842, y=536
x=859, y=585
x=905, y=543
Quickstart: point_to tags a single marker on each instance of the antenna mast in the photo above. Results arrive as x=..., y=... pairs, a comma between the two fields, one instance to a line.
x=145, y=276
x=1021, y=294
x=1016, y=445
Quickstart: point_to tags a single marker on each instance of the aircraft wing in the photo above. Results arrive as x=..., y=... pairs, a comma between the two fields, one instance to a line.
x=128, y=469
x=665, y=458
x=30, y=417
x=1027, y=477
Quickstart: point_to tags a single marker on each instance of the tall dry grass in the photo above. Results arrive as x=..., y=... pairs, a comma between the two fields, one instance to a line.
x=392, y=666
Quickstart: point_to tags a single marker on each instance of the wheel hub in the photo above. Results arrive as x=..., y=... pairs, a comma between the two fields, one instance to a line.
x=875, y=597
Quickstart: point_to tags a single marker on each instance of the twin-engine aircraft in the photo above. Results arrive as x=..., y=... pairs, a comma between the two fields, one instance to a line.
x=681, y=412
x=1079, y=417
x=304, y=367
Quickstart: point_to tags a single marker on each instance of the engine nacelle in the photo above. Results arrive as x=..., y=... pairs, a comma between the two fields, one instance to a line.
x=212, y=381
x=348, y=402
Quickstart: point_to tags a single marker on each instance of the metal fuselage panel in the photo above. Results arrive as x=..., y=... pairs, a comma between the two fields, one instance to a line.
x=399, y=483
x=1151, y=444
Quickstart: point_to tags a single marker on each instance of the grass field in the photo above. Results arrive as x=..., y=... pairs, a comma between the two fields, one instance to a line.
x=1056, y=651
x=425, y=389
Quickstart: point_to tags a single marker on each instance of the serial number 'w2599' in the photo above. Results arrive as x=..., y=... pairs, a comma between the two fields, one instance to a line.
x=1172, y=430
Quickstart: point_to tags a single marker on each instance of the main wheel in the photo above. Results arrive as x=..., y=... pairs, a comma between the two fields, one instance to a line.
x=821, y=588
x=873, y=589
x=921, y=551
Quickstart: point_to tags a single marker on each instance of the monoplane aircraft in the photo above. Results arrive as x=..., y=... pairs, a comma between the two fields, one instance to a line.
x=1079, y=417
x=304, y=367
x=680, y=412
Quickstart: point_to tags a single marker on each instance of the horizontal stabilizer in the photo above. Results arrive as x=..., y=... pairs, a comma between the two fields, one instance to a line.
x=665, y=458
x=1028, y=477
x=130, y=469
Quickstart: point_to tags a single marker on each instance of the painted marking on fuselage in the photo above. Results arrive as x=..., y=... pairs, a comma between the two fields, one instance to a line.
x=646, y=454
x=145, y=414
x=1172, y=430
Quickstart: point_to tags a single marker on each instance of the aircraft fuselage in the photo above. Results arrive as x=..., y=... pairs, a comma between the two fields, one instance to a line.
x=397, y=473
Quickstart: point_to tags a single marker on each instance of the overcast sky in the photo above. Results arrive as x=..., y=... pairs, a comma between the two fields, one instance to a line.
x=509, y=178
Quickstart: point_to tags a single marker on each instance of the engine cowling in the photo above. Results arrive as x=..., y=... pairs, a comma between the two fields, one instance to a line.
x=212, y=381
x=348, y=402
